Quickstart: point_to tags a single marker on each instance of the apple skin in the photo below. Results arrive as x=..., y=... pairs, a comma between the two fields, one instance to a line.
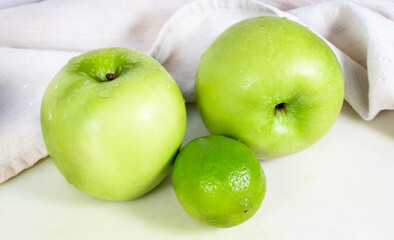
x=113, y=139
x=270, y=83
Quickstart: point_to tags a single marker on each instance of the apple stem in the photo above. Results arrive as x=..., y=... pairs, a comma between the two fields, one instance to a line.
x=110, y=76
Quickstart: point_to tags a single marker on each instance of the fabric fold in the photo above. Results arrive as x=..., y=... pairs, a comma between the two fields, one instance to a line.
x=38, y=37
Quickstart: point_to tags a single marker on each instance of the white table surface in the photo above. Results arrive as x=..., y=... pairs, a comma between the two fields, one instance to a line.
x=340, y=188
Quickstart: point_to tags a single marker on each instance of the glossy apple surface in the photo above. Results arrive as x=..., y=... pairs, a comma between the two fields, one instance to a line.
x=112, y=120
x=270, y=83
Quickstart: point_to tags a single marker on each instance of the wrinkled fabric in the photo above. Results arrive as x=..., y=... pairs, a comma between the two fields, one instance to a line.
x=38, y=37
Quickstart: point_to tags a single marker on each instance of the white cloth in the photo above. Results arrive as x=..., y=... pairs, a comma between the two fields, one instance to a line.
x=37, y=39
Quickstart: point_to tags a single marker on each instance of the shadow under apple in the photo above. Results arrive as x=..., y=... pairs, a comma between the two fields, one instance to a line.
x=160, y=208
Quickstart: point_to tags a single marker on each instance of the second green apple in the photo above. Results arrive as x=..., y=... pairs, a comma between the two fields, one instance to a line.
x=270, y=83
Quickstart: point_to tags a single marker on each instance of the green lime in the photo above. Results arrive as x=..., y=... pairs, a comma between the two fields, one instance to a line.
x=218, y=181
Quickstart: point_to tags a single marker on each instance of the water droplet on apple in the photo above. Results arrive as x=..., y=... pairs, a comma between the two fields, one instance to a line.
x=50, y=115
x=246, y=83
x=103, y=94
x=259, y=130
x=168, y=85
x=56, y=86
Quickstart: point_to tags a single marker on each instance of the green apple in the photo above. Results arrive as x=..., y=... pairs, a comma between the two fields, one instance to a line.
x=113, y=120
x=270, y=83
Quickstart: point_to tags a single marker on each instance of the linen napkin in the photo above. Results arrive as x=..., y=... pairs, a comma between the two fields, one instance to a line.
x=38, y=37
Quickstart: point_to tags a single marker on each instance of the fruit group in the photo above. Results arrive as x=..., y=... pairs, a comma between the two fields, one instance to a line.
x=113, y=120
x=270, y=83
x=218, y=181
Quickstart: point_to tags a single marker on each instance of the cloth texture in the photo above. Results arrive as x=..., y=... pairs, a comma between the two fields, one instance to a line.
x=38, y=37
